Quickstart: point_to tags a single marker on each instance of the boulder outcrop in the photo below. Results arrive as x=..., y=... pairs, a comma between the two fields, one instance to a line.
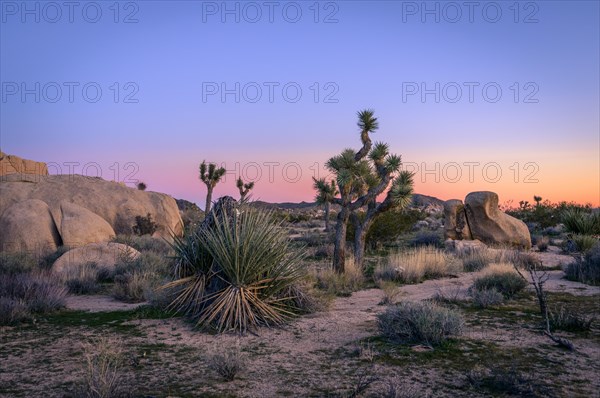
x=480, y=218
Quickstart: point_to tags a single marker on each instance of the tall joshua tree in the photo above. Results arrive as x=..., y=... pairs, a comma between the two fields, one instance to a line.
x=325, y=194
x=244, y=188
x=361, y=177
x=211, y=178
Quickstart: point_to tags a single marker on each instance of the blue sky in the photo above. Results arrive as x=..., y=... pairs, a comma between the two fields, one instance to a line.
x=543, y=56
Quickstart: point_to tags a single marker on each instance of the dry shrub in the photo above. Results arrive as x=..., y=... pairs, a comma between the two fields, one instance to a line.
x=104, y=377
x=227, y=362
x=421, y=263
x=502, y=277
x=341, y=284
x=420, y=323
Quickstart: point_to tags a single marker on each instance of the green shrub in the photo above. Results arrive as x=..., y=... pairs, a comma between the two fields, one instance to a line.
x=583, y=243
x=387, y=227
x=231, y=274
x=487, y=297
x=144, y=225
x=420, y=323
x=146, y=262
x=586, y=269
x=583, y=222
x=568, y=320
x=501, y=277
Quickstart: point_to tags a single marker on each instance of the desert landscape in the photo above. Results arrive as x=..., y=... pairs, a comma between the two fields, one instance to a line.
x=370, y=199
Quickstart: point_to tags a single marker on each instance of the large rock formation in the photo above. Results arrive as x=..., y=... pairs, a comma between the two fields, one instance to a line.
x=27, y=226
x=84, y=209
x=10, y=164
x=480, y=218
x=79, y=226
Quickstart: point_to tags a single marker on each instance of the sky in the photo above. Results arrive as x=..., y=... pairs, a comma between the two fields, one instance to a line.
x=486, y=95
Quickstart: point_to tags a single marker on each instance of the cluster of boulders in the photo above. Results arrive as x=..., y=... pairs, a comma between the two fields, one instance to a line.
x=479, y=218
x=41, y=212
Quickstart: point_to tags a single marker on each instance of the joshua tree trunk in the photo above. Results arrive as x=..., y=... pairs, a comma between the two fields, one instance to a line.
x=327, y=217
x=208, y=200
x=339, y=253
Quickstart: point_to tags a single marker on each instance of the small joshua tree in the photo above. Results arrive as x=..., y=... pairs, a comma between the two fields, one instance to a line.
x=244, y=188
x=361, y=177
x=211, y=178
x=538, y=200
x=325, y=195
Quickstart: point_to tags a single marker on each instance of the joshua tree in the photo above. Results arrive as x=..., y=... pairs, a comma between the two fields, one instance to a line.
x=211, y=179
x=361, y=177
x=325, y=195
x=538, y=200
x=244, y=188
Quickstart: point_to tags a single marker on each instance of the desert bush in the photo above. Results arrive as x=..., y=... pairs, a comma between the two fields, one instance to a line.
x=104, y=367
x=341, y=284
x=390, y=292
x=146, y=262
x=387, y=227
x=22, y=295
x=227, y=363
x=133, y=287
x=425, y=262
x=476, y=260
x=419, y=322
x=544, y=214
x=541, y=242
x=386, y=271
x=502, y=277
x=505, y=381
x=485, y=298
x=586, y=269
x=323, y=252
x=427, y=238
x=13, y=311
x=16, y=263
x=86, y=278
x=144, y=225
x=582, y=243
x=580, y=221
x=569, y=320
x=304, y=298
x=141, y=186
x=231, y=274
x=311, y=239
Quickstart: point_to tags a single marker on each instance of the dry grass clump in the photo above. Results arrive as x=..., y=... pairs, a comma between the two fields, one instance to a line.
x=85, y=279
x=586, y=269
x=22, y=295
x=341, y=284
x=390, y=292
x=104, y=363
x=421, y=263
x=420, y=322
x=227, y=362
x=501, y=277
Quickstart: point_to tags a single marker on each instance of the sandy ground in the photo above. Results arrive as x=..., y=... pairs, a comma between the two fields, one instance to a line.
x=322, y=354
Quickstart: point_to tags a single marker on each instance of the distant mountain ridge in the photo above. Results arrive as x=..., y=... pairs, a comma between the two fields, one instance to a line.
x=418, y=200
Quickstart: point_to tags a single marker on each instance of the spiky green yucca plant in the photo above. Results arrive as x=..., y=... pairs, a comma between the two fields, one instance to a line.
x=233, y=276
